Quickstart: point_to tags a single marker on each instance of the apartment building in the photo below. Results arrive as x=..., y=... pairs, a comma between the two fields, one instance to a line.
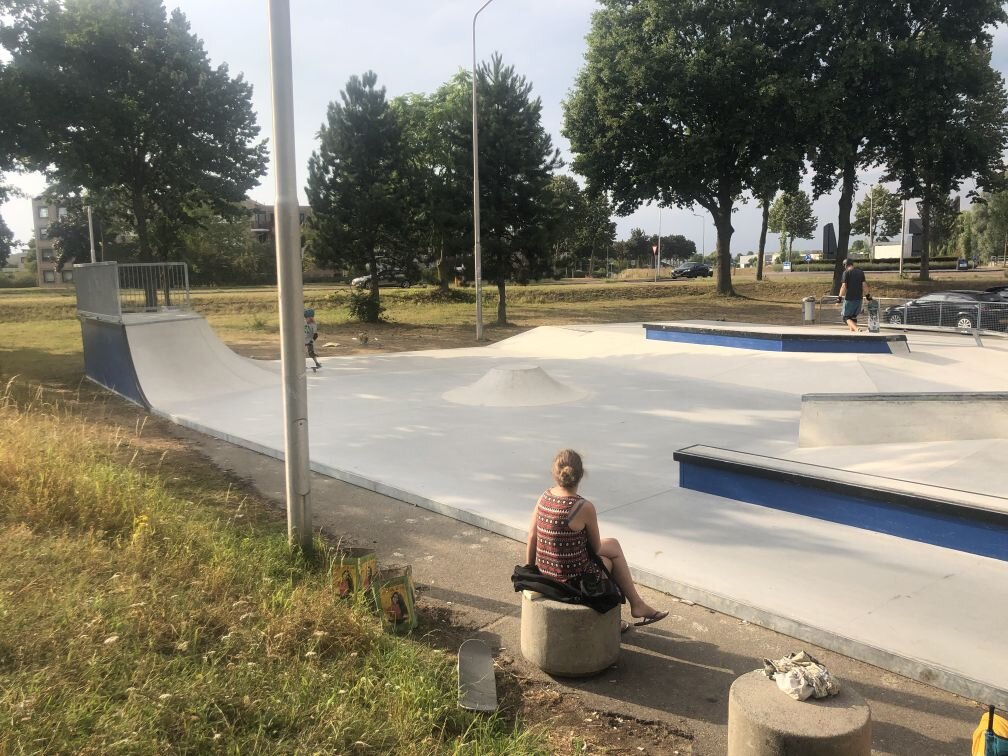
x=45, y=214
x=262, y=221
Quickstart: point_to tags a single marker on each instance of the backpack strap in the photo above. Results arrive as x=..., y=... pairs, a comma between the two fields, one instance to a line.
x=574, y=511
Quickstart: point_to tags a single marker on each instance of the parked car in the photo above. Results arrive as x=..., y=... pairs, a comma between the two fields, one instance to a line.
x=692, y=270
x=952, y=309
x=386, y=277
x=1001, y=291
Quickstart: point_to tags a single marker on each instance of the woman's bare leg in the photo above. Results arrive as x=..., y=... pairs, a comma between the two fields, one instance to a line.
x=612, y=554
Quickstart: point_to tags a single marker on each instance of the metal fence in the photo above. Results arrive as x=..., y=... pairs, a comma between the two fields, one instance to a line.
x=153, y=287
x=944, y=310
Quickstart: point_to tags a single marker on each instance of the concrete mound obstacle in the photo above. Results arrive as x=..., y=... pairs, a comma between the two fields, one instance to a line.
x=515, y=386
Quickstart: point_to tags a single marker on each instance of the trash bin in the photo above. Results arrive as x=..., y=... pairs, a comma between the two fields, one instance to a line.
x=808, y=310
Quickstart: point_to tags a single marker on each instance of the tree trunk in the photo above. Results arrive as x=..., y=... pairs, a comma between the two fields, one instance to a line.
x=722, y=222
x=762, y=238
x=925, y=263
x=374, y=314
x=501, y=304
x=149, y=284
x=844, y=223
x=442, y=268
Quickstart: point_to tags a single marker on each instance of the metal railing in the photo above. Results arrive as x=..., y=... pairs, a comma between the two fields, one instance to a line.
x=950, y=315
x=153, y=287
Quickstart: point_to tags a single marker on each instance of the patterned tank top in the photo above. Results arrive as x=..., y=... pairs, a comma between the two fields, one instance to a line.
x=561, y=553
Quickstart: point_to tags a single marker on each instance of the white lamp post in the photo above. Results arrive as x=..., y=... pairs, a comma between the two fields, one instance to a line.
x=477, y=254
x=703, y=234
x=289, y=283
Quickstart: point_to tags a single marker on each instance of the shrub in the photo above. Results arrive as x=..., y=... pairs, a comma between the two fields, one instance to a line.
x=365, y=307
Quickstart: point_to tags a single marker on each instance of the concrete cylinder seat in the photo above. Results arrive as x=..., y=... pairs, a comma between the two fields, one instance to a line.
x=764, y=721
x=568, y=640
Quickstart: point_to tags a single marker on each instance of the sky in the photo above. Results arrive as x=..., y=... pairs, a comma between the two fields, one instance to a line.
x=415, y=47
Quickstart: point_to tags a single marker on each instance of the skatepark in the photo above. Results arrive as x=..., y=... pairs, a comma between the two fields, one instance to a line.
x=470, y=433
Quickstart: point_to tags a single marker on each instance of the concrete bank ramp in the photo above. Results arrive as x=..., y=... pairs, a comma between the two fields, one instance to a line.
x=177, y=357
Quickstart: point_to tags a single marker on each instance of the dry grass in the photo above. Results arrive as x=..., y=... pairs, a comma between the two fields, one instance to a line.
x=146, y=608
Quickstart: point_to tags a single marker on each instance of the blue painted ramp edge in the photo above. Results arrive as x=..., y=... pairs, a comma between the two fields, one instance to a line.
x=107, y=359
x=772, y=342
x=945, y=524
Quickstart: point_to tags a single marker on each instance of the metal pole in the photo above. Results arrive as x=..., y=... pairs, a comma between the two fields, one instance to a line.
x=903, y=242
x=477, y=252
x=871, y=224
x=657, y=261
x=90, y=228
x=291, y=293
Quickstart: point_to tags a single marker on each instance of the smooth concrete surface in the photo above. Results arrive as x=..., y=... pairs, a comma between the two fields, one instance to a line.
x=381, y=422
x=568, y=640
x=900, y=417
x=763, y=721
x=674, y=676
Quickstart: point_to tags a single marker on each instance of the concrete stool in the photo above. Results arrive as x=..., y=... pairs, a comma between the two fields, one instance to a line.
x=568, y=640
x=764, y=721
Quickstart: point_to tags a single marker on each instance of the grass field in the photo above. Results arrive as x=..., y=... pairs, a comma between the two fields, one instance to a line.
x=148, y=602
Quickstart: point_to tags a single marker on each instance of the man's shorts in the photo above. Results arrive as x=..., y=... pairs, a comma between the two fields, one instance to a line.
x=851, y=309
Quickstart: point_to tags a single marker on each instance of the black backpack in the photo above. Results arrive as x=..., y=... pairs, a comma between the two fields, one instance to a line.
x=600, y=592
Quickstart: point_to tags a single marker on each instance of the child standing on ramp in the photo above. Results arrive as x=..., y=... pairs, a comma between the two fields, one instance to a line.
x=310, y=334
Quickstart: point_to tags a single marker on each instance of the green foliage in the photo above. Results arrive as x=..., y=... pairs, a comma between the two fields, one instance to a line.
x=949, y=119
x=791, y=217
x=6, y=242
x=365, y=306
x=221, y=250
x=124, y=101
x=355, y=181
x=148, y=608
x=878, y=215
x=516, y=158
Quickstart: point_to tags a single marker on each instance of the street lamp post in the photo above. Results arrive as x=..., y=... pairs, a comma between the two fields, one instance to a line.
x=90, y=228
x=703, y=235
x=477, y=253
x=657, y=262
x=289, y=282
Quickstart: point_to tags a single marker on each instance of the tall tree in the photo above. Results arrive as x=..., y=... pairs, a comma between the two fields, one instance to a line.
x=597, y=232
x=879, y=215
x=949, y=119
x=638, y=246
x=124, y=100
x=853, y=87
x=355, y=182
x=438, y=199
x=791, y=217
x=516, y=159
x=567, y=204
x=655, y=111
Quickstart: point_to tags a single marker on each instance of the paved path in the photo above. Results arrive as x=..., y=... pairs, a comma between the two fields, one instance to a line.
x=384, y=422
x=677, y=672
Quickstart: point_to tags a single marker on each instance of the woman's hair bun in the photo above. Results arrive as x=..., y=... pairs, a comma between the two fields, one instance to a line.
x=568, y=468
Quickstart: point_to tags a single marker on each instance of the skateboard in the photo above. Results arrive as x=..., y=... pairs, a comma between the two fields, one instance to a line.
x=476, y=682
x=873, y=316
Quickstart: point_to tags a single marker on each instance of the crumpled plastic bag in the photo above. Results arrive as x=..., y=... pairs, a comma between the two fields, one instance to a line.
x=801, y=676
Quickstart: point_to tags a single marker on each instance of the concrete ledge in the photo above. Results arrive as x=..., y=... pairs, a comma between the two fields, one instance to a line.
x=568, y=640
x=743, y=336
x=962, y=520
x=896, y=418
x=763, y=721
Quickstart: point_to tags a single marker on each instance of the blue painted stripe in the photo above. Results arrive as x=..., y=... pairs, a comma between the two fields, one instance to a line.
x=107, y=359
x=716, y=339
x=938, y=529
x=774, y=342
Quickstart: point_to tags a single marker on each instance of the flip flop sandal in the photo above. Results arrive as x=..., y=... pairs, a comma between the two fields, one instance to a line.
x=658, y=616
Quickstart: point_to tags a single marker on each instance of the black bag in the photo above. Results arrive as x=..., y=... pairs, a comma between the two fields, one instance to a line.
x=600, y=592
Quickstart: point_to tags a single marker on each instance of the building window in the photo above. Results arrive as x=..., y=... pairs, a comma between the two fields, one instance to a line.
x=62, y=212
x=43, y=212
x=67, y=276
x=47, y=255
x=43, y=232
x=49, y=276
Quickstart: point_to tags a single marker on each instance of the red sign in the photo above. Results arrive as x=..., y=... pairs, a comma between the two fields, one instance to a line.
x=654, y=249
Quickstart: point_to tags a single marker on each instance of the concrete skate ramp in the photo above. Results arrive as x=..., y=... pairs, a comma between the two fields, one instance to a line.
x=515, y=386
x=177, y=356
x=842, y=419
x=107, y=359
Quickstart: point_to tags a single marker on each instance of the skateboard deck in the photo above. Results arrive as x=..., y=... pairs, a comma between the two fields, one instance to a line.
x=476, y=682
